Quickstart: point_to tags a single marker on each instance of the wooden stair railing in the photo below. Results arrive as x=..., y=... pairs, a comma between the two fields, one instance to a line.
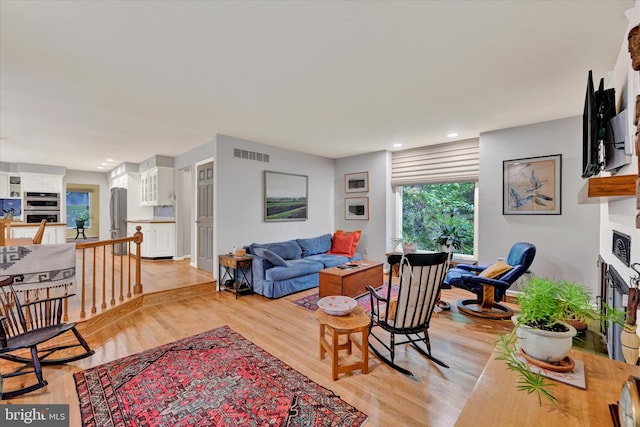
x=110, y=281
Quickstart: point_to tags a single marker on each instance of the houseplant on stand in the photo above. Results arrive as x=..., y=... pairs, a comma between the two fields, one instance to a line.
x=81, y=218
x=545, y=307
x=450, y=235
x=409, y=241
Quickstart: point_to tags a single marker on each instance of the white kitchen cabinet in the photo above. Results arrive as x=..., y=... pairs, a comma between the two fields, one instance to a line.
x=156, y=187
x=41, y=183
x=158, y=238
x=10, y=186
x=53, y=234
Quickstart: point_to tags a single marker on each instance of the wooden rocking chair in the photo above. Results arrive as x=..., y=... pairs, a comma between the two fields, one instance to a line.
x=421, y=277
x=28, y=325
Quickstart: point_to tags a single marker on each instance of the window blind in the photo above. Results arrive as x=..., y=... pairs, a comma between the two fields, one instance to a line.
x=451, y=162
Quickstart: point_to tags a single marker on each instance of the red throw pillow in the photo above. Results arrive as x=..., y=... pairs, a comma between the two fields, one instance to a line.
x=345, y=243
x=356, y=239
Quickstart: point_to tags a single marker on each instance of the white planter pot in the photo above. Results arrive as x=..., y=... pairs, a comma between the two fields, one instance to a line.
x=547, y=346
x=446, y=248
x=409, y=248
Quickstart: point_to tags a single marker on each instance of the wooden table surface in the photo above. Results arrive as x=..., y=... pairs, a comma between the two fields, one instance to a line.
x=351, y=282
x=353, y=321
x=495, y=401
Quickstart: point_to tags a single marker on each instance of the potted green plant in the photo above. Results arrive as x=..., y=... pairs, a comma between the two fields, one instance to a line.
x=408, y=241
x=449, y=237
x=81, y=218
x=542, y=331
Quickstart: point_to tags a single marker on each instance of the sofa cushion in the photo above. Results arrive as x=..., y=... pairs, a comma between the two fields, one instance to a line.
x=270, y=256
x=286, y=250
x=344, y=244
x=294, y=268
x=329, y=260
x=315, y=245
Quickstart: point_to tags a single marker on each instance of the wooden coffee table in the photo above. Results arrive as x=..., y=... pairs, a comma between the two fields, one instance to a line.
x=352, y=281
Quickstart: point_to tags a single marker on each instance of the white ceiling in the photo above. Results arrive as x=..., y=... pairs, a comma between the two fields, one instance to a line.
x=81, y=82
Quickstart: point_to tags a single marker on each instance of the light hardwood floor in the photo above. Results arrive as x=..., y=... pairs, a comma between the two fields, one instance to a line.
x=434, y=397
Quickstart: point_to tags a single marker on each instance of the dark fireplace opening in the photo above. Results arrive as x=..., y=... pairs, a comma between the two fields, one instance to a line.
x=616, y=290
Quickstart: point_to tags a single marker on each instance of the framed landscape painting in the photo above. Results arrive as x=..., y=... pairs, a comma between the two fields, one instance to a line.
x=285, y=196
x=356, y=208
x=532, y=186
x=356, y=182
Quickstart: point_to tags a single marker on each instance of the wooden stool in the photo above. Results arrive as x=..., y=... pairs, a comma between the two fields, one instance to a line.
x=354, y=322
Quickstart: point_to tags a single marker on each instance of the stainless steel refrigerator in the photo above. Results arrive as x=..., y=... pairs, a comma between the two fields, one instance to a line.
x=118, y=214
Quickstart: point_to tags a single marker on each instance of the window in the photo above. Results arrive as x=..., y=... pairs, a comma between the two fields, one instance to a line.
x=78, y=207
x=436, y=213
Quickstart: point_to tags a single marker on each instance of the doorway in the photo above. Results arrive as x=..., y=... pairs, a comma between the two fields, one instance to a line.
x=184, y=214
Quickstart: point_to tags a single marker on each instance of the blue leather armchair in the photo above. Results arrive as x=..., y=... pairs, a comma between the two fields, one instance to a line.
x=490, y=290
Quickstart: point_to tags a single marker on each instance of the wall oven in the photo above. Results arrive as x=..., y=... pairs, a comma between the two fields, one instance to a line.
x=39, y=206
x=36, y=217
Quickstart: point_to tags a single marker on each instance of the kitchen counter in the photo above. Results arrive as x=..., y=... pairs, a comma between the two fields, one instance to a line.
x=153, y=221
x=13, y=224
x=54, y=232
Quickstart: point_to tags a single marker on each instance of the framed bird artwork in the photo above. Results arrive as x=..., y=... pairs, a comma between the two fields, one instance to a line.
x=532, y=186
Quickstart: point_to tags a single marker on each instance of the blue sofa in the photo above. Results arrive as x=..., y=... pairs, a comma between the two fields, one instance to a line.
x=282, y=268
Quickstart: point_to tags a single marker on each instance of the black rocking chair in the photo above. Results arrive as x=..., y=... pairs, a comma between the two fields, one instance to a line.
x=409, y=315
x=26, y=325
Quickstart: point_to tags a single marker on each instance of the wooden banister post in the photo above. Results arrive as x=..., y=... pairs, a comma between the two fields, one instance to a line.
x=137, y=288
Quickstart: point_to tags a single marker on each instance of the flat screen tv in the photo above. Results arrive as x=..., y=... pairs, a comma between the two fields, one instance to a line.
x=599, y=109
x=590, y=144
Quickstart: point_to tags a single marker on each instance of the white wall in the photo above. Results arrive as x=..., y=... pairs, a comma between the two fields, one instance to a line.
x=375, y=239
x=620, y=214
x=568, y=244
x=239, y=188
x=95, y=178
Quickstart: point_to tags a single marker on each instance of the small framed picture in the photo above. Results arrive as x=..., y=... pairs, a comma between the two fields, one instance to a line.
x=532, y=186
x=356, y=182
x=356, y=208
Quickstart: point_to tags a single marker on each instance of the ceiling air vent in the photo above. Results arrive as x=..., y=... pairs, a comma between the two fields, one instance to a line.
x=250, y=155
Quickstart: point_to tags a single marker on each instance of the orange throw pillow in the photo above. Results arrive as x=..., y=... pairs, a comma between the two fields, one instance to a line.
x=345, y=243
x=355, y=241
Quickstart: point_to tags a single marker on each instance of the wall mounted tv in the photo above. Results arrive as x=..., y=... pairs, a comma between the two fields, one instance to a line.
x=599, y=109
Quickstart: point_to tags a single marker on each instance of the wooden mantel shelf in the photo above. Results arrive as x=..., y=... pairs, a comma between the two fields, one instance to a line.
x=599, y=189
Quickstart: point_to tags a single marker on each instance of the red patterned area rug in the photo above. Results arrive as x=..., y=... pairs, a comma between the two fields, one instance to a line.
x=310, y=302
x=216, y=378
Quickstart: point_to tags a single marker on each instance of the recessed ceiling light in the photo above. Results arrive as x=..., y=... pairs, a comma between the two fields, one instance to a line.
x=110, y=160
x=99, y=167
x=452, y=134
x=396, y=145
